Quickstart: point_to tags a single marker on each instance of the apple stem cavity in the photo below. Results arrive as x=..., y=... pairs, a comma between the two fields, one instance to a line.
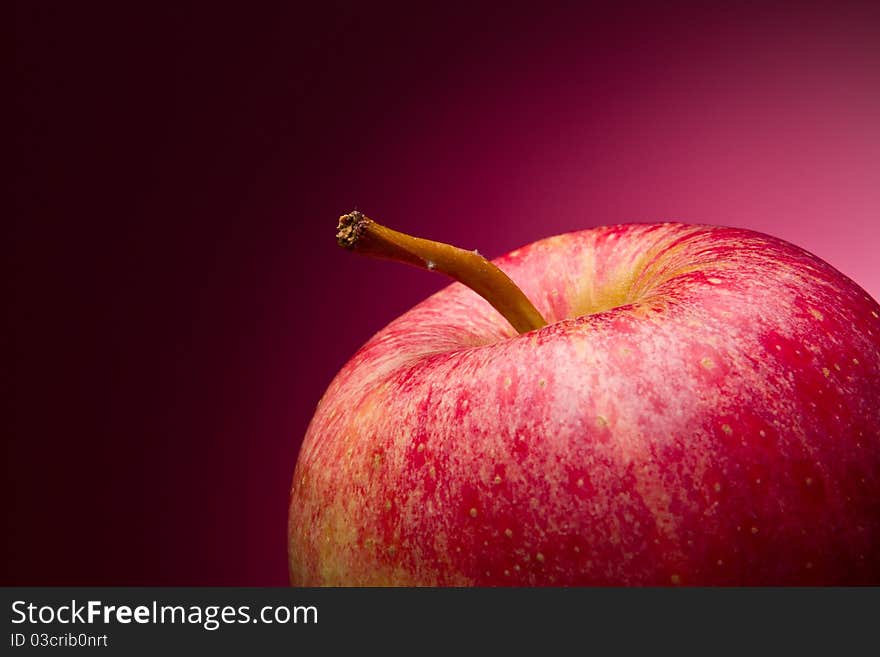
x=360, y=234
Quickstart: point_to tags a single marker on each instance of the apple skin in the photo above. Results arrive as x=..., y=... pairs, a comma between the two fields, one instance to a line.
x=703, y=408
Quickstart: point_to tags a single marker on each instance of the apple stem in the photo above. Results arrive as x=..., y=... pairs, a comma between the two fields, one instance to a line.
x=363, y=235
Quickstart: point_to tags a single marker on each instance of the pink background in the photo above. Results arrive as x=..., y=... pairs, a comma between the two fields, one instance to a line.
x=180, y=305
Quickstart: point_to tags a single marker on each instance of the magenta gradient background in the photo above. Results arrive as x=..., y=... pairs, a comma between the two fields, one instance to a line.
x=178, y=301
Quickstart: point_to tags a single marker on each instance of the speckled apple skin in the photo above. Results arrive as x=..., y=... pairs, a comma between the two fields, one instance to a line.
x=702, y=409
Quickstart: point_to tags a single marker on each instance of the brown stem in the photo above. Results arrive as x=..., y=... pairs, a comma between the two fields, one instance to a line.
x=363, y=235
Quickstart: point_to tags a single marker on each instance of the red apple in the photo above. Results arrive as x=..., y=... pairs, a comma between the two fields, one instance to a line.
x=702, y=408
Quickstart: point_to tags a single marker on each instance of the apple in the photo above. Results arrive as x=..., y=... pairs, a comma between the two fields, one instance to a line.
x=695, y=405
